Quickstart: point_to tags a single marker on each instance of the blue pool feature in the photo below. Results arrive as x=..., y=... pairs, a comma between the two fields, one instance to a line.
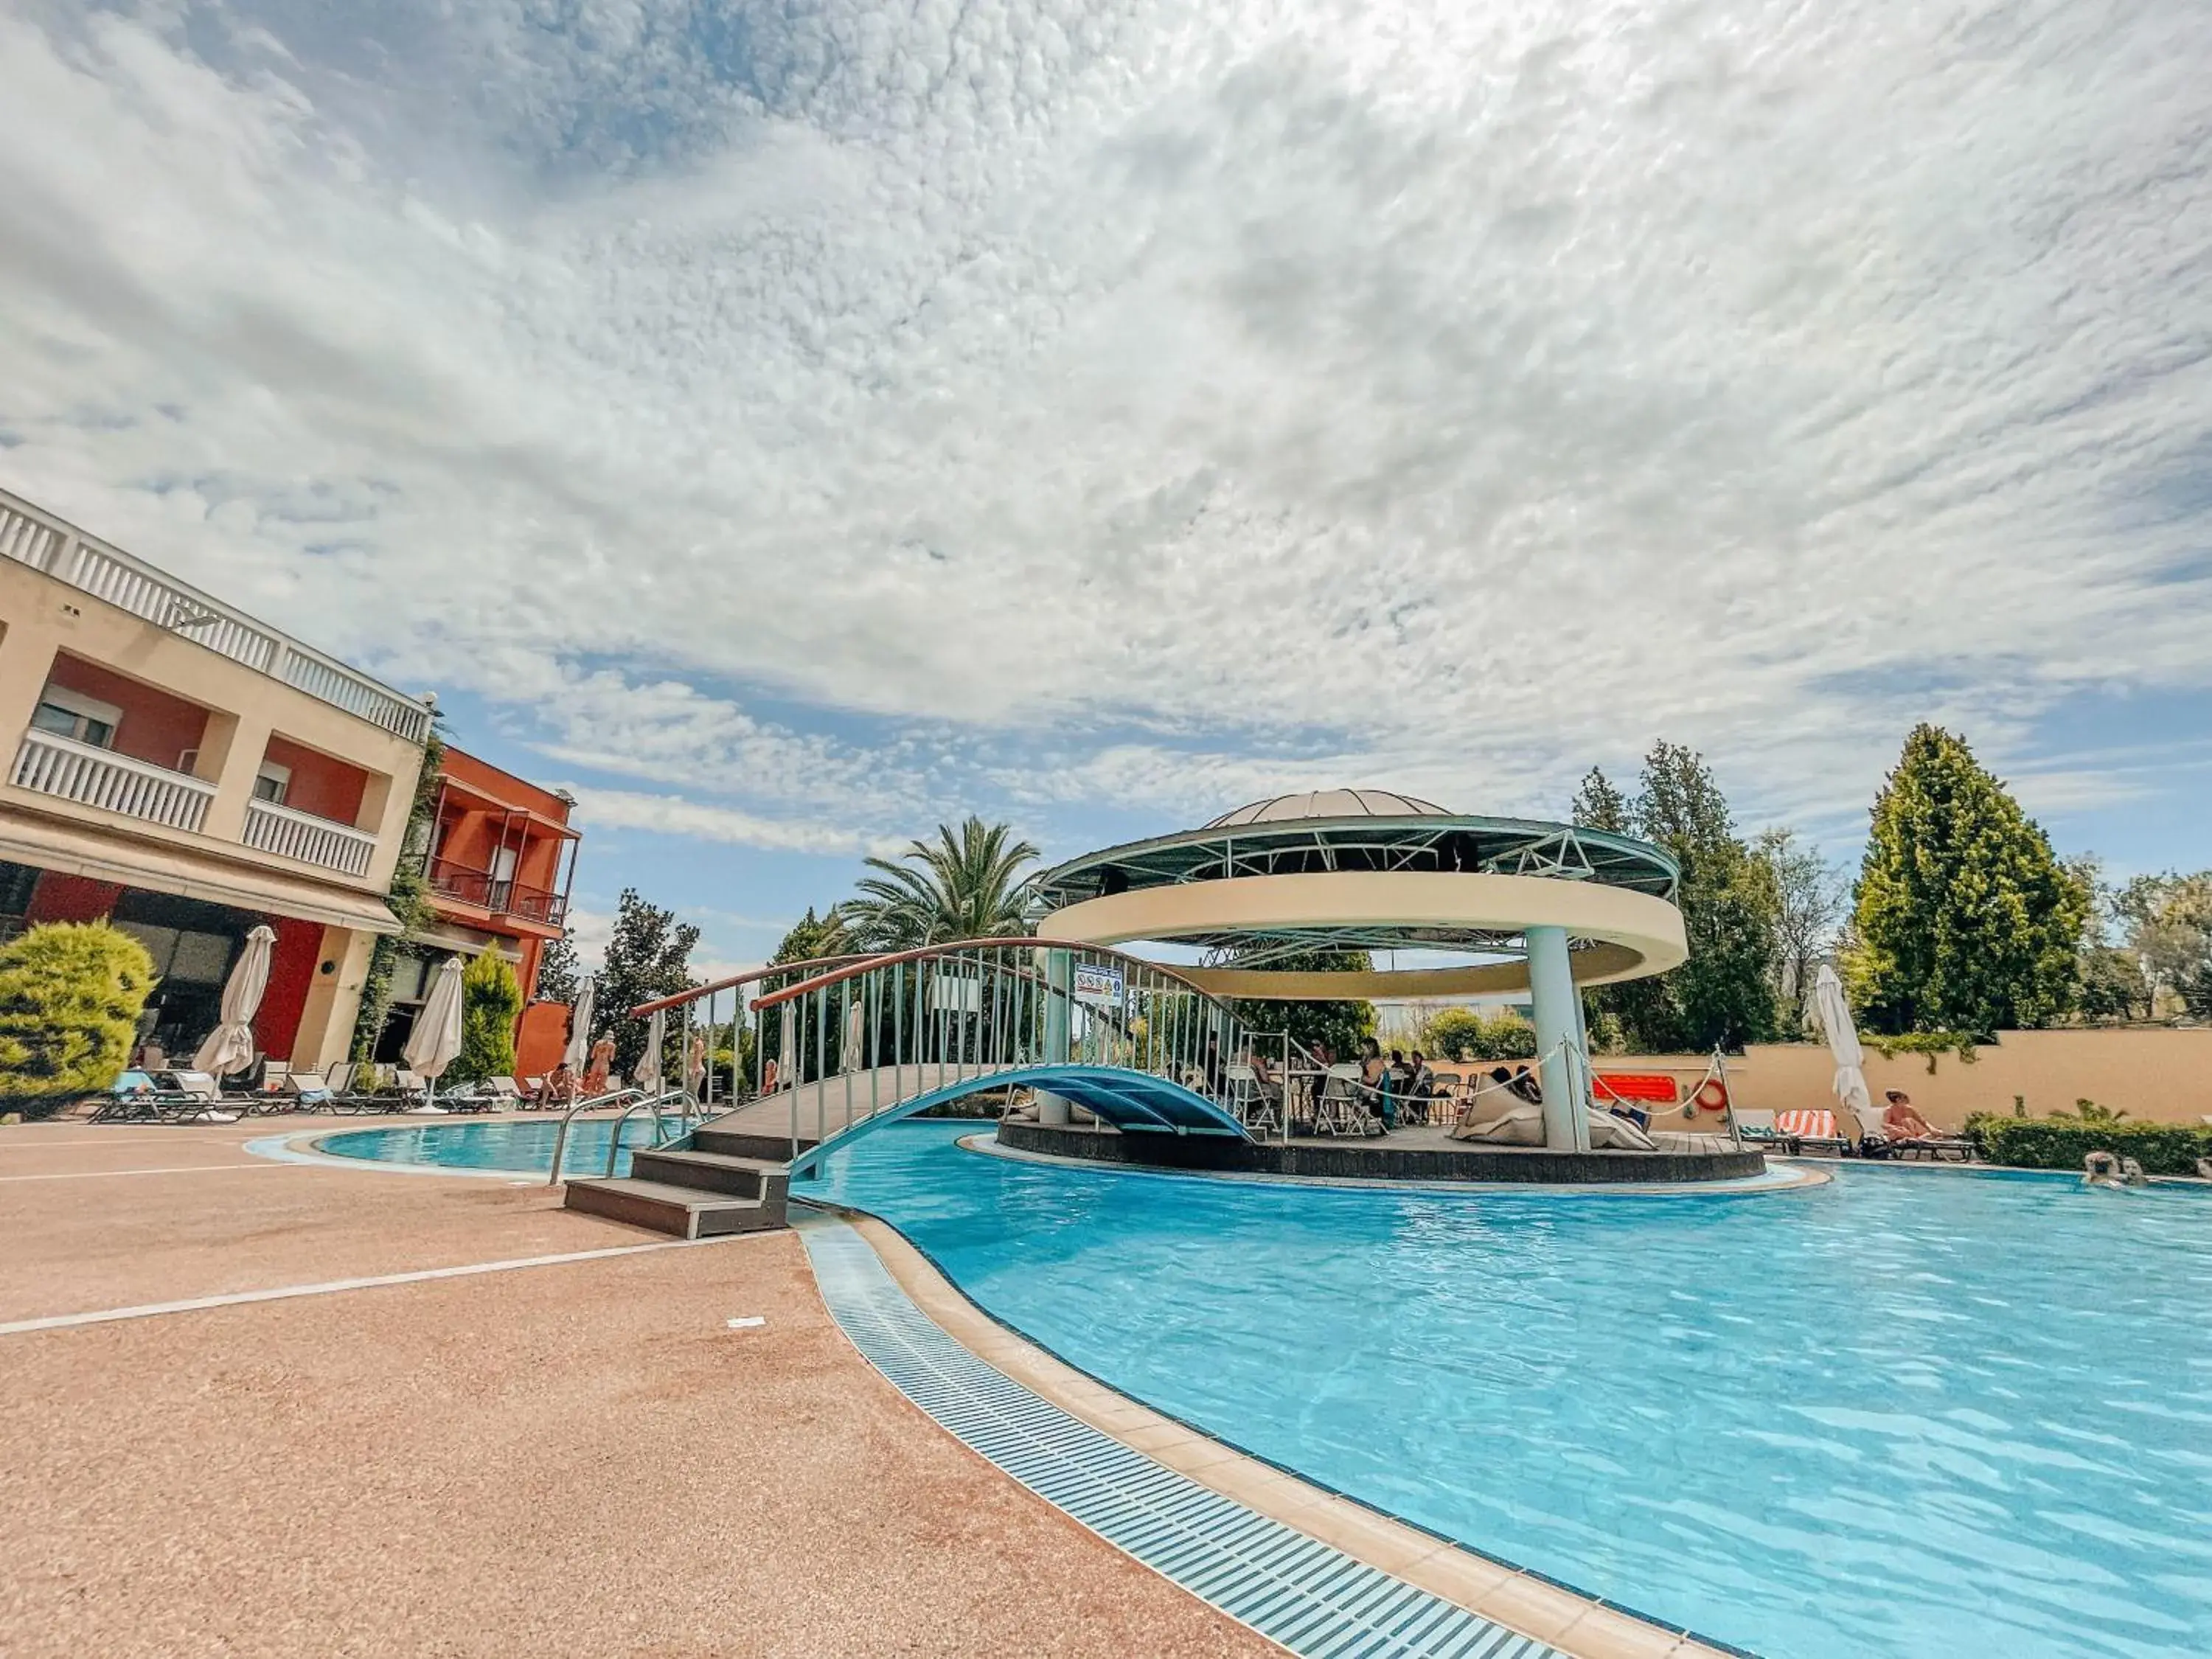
x=523, y=1148
x=1911, y=1414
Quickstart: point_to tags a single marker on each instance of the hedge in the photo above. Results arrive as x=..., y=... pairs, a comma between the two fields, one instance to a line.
x=2057, y=1143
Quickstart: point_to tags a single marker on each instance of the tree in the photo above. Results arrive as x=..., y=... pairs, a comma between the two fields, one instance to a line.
x=813, y=937
x=1468, y=1034
x=2167, y=921
x=70, y=995
x=1808, y=904
x=649, y=956
x=1963, y=919
x=491, y=1001
x=559, y=979
x=1723, y=996
x=1599, y=805
x=962, y=886
x=1340, y=1023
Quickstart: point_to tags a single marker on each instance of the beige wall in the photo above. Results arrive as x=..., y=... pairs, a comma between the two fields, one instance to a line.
x=2155, y=1076
x=43, y=615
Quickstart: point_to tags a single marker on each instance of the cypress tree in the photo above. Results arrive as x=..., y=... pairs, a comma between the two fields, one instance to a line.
x=1963, y=919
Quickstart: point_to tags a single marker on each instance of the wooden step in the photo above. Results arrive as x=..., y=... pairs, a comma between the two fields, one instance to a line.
x=681, y=1212
x=711, y=1172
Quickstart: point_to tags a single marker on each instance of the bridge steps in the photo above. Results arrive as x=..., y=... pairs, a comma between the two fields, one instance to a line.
x=695, y=1192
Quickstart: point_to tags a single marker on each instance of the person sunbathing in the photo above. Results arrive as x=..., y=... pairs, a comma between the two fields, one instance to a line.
x=1900, y=1121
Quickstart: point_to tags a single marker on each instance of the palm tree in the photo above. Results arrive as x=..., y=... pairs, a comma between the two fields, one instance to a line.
x=966, y=885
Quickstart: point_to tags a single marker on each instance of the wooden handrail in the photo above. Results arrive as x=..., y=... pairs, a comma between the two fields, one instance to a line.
x=645, y=1009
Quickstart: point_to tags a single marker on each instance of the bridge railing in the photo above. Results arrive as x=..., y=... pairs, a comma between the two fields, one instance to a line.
x=858, y=1038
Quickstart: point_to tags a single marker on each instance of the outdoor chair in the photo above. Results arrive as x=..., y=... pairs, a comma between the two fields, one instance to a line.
x=131, y=1098
x=1809, y=1131
x=1343, y=1108
x=1757, y=1128
x=308, y=1091
x=507, y=1092
x=1248, y=1102
x=533, y=1095
x=192, y=1098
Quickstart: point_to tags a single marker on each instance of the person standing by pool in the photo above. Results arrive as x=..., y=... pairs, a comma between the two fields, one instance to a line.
x=599, y=1067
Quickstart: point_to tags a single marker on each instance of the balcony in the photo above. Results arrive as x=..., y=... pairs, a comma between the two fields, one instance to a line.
x=296, y=835
x=480, y=888
x=50, y=544
x=92, y=776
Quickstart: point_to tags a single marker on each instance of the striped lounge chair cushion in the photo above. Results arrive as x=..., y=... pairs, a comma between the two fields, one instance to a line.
x=1808, y=1125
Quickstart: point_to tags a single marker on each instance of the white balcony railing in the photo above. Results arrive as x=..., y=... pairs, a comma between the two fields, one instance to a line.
x=55, y=765
x=43, y=542
x=294, y=834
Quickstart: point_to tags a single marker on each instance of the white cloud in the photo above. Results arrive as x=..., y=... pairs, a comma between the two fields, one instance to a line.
x=674, y=814
x=1133, y=404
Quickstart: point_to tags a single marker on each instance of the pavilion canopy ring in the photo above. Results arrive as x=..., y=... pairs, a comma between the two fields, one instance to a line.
x=1367, y=869
x=1364, y=870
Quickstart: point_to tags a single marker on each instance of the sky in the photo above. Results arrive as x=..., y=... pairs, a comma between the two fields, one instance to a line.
x=791, y=424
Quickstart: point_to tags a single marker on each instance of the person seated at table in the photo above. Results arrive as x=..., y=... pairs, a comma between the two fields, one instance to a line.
x=1375, y=1081
x=1423, y=1086
x=1900, y=1121
x=1262, y=1073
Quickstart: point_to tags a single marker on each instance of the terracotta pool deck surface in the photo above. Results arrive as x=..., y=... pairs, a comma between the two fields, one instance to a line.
x=582, y=1456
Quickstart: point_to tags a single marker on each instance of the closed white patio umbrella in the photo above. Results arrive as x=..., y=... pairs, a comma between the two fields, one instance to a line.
x=1834, y=1014
x=647, y=1074
x=578, y=1054
x=436, y=1039
x=229, y=1046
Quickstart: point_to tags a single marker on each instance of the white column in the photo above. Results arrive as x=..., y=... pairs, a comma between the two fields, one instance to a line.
x=1552, y=989
x=1059, y=980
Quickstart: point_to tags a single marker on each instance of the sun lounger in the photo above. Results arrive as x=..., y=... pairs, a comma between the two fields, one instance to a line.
x=129, y=1099
x=308, y=1092
x=1810, y=1132
x=506, y=1093
x=192, y=1097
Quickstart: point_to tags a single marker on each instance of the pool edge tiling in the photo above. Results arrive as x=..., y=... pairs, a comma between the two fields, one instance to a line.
x=1312, y=1572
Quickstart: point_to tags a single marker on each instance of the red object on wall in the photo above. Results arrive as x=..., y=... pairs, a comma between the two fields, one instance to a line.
x=292, y=965
x=540, y=1037
x=1656, y=1087
x=72, y=898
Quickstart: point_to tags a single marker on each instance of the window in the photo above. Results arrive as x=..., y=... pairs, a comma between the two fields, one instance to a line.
x=72, y=714
x=272, y=782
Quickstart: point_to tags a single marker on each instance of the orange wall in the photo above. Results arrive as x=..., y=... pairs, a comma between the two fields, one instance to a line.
x=155, y=726
x=328, y=788
x=2157, y=1075
x=539, y=1039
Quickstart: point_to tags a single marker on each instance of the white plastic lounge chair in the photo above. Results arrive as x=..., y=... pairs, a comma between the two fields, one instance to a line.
x=193, y=1097
x=507, y=1091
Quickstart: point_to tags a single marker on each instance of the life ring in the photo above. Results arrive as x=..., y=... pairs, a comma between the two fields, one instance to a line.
x=1712, y=1095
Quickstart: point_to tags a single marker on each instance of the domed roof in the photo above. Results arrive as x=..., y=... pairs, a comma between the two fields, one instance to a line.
x=1331, y=804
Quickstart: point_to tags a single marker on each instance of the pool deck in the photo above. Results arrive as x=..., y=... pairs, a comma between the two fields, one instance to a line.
x=539, y=1427
x=580, y=1457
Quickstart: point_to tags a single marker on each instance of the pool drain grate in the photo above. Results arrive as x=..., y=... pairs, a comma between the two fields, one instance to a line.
x=1296, y=1590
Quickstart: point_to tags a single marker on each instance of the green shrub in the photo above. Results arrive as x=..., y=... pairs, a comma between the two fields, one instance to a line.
x=1464, y=1034
x=70, y=995
x=2061, y=1143
x=491, y=1002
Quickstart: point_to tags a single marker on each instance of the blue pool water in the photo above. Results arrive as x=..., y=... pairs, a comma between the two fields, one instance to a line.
x=1909, y=1414
x=525, y=1148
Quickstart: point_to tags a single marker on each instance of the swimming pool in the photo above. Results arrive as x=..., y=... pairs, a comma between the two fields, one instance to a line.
x=1909, y=1414
x=523, y=1148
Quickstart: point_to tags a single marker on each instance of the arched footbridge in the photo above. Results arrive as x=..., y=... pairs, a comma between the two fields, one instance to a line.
x=840, y=1047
